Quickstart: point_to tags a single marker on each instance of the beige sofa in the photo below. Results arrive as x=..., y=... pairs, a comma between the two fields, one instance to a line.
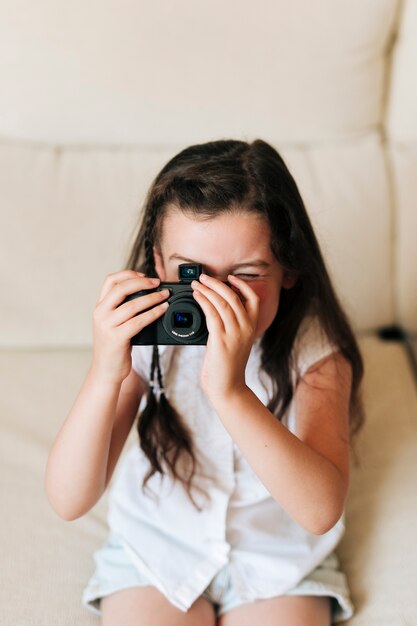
x=96, y=97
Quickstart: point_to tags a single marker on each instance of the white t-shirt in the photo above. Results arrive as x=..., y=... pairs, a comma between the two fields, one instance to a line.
x=179, y=548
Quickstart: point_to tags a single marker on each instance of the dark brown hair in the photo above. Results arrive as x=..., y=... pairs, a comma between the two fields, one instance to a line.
x=205, y=180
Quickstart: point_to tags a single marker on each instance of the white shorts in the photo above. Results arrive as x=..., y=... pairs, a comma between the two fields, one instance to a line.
x=114, y=571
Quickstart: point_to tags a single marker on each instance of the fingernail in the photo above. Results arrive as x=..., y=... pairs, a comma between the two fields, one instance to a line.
x=203, y=277
x=155, y=281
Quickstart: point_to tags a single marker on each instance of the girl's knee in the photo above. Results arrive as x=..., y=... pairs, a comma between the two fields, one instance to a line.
x=281, y=611
x=147, y=606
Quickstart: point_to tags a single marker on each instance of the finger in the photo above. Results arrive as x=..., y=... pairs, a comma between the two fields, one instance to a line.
x=226, y=294
x=119, y=291
x=213, y=319
x=114, y=278
x=223, y=308
x=137, y=305
x=251, y=298
x=133, y=326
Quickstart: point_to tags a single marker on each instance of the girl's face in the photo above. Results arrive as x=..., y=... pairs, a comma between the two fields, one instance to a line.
x=236, y=243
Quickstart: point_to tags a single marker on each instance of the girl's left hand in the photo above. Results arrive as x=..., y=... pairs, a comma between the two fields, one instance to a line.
x=231, y=322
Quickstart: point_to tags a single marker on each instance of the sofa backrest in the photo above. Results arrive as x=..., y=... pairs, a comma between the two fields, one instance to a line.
x=401, y=142
x=98, y=96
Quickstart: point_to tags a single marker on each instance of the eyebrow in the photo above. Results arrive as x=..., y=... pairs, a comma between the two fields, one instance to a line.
x=254, y=263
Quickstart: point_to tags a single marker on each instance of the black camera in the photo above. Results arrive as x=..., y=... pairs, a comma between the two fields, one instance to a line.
x=184, y=321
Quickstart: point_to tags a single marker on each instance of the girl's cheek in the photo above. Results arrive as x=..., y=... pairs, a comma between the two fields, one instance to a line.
x=261, y=290
x=268, y=301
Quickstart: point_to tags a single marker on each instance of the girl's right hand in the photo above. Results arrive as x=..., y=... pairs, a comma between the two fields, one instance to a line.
x=114, y=323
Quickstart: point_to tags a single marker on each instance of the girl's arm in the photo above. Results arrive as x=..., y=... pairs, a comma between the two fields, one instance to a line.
x=89, y=443
x=87, y=447
x=306, y=472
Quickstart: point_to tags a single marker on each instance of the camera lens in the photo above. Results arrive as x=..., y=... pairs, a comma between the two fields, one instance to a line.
x=183, y=319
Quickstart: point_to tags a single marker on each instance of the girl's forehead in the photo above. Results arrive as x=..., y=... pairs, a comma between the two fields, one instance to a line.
x=228, y=235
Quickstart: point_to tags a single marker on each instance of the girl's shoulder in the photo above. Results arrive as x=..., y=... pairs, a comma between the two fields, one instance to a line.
x=311, y=344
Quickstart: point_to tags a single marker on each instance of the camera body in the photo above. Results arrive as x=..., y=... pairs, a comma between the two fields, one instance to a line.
x=184, y=321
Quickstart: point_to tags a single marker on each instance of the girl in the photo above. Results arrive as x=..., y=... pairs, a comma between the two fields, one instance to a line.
x=229, y=510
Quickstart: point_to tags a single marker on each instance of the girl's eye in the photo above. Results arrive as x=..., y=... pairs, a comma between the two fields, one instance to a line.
x=248, y=275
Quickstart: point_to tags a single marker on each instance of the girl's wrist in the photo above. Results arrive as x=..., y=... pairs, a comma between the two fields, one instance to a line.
x=222, y=400
x=102, y=377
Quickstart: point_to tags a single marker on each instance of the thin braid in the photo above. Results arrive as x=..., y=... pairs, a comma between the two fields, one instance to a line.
x=158, y=370
x=153, y=366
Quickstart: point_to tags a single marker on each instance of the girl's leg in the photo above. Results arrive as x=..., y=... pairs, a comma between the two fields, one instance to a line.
x=281, y=611
x=146, y=606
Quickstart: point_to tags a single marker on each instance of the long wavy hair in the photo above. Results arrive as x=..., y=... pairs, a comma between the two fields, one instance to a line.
x=208, y=179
